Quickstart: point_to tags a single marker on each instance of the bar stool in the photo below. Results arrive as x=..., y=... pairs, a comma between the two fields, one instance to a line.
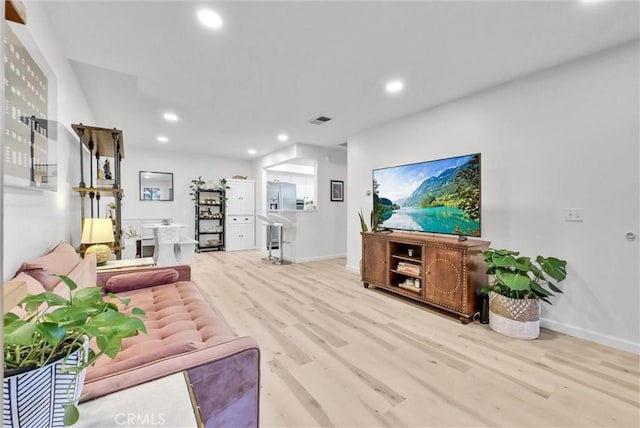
x=269, y=223
x=282, y=223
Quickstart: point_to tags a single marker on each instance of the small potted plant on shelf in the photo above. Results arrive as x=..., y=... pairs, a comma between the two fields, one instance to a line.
x=223, y=184
x=517, y=287
x=46, y=351
x=375, y=221
x=363, y=223
x=195, y=186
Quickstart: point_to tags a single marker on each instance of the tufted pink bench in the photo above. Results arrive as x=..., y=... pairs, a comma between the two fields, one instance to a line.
x=183, y=334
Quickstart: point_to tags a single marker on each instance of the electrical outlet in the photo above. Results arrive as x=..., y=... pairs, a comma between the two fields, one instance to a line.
x=573, y=214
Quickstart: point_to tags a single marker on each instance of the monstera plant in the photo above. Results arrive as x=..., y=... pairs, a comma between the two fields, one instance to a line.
x=518, y=285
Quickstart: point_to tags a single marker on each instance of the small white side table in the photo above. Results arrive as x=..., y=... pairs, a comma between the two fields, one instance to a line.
x=164, y=402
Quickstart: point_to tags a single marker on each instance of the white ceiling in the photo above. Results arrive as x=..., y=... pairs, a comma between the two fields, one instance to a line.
x=276, y=65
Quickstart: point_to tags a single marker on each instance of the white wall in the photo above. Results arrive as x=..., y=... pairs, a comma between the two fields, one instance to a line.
x=185, y=167
x=36, y=220
x=318, y=234
x=564, y=138
x=2, y=151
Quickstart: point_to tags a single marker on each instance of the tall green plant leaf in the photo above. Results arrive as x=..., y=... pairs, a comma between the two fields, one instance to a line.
x=523, y=264
x=515, y=281
x=51, y=332
x=503, y=260
x=70, y=315
x=363, y=224
x=19, y=333
x=88, y=296
x=139, y=312
x=33, y=301
x=109, y=345
x=541, y=292
x=555, y=268
x=10, y=317
x=70, y=283
x=553, y=287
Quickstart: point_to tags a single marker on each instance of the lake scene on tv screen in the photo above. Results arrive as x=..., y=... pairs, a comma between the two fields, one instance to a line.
x=440, y=196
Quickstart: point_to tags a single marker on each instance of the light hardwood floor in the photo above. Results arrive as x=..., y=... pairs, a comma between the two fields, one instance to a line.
x=335, y=354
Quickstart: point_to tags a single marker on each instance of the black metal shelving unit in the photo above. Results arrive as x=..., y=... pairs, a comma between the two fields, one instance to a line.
x=209, y=218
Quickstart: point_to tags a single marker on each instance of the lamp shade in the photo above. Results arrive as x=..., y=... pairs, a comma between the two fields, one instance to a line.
x=97, y=231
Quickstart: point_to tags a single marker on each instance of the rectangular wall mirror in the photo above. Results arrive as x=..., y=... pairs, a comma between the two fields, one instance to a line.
x=156, y=186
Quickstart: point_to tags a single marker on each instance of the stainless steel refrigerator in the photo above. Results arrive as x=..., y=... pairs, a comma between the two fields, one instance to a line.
x=280, y=197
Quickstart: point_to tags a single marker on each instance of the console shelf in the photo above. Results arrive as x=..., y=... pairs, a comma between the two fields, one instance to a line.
x=101, y=143
x=441, y=272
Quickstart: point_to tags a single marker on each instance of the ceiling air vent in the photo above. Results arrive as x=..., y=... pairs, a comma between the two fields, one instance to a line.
x=320, y=120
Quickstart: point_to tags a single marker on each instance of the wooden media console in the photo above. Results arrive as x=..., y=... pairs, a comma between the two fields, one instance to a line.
x=439, y=271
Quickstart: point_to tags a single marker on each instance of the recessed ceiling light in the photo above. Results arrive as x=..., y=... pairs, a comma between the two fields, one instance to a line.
x=163, y=139
x=283, y=137
x=209, y=19
x=251, y=151
x=394, y=86
x=170, y=117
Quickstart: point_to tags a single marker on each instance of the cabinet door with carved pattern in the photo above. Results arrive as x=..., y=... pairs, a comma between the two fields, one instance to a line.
x=445, y=277
x=375, y=260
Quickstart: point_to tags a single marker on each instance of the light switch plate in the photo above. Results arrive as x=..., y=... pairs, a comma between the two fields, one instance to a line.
x=573, y=214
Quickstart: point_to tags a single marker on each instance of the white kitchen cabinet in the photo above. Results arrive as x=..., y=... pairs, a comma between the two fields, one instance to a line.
x=240, y=215
x=241, y=197
x=240, y=232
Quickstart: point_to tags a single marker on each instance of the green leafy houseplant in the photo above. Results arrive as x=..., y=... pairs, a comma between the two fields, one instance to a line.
x=56, y=327
x=519, y=277
x=363, y=223
x=375, y=219
x=223, y=184
x=196, y=185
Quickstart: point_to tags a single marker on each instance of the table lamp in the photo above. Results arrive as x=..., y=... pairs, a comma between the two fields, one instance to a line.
x=97, y=232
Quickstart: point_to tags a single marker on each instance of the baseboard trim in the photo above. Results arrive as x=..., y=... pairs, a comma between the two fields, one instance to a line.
x=319, y=258
x=602, y=339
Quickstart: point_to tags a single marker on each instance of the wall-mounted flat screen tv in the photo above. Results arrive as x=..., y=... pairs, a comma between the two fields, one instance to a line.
x=438, y=196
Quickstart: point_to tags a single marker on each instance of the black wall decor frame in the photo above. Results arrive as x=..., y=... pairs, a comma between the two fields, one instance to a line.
x=337, y=191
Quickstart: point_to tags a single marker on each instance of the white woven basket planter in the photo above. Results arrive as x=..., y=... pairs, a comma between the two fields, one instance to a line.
x=34, y=398
x=517, y=318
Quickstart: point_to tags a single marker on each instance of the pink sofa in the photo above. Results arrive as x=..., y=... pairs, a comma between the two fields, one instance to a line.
x=183, y=334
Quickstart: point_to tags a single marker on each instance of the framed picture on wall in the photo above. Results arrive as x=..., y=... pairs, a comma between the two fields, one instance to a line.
x=337, y=191
x=29, y=152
